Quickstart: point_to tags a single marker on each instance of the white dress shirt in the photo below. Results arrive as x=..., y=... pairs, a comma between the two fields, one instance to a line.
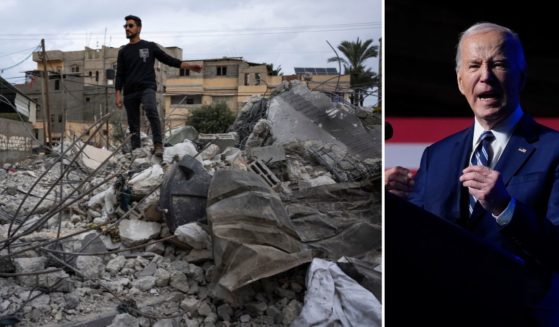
x=502, y=132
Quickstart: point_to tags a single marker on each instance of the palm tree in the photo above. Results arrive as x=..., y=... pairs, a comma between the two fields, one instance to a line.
x=274, y=71
x=361, y=78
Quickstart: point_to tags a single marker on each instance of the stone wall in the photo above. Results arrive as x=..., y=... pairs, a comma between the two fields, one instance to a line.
x=15, y=140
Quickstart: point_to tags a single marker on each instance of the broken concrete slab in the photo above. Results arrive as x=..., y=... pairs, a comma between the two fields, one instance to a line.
x=178, y=135
x=342, y=219
x=343, y=166
x=116, y=264
x=90, y=266
x=253, y=236
x=300, y=114
x=193, y=235
x=58, y=281
x=209, y=152
x=267, y=154
x=91, y=242
x=91, y=157
x=134, y=232
x=27, y=265
x=223, y=140
x=317, y=181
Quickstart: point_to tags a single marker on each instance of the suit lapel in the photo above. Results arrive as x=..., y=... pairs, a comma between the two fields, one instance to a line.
x=461, y=154
x=518, y=149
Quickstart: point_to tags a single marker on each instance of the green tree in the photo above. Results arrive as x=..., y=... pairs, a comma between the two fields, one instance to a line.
x=212, y=119
x=361, y=77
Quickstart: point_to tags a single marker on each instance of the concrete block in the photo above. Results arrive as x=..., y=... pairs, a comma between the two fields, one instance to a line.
x=222, y=140
x=134, y=232
x=267, y=154
x=265, y=173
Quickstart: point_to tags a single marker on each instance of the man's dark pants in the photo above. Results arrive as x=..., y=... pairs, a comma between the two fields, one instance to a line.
x=132, y=104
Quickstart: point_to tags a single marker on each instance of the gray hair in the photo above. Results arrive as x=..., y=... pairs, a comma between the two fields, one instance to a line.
x=487, y=27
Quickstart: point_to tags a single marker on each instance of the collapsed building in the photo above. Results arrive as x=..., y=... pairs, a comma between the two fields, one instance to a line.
x=276, y=222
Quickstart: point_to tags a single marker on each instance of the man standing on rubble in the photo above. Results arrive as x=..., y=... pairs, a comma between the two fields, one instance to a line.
x=135, y=77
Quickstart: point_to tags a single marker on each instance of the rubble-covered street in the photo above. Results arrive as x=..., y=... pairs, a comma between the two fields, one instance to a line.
x=275, y=223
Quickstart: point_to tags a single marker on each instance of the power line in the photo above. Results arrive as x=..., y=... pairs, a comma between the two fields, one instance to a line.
x=18, y=51
x=210, y=32
x=19, y=63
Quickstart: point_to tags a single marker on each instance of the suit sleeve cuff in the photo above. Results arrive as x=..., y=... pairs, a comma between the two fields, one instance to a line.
x=506, y=216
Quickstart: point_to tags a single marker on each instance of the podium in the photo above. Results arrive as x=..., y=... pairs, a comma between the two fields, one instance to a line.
x=439, y=274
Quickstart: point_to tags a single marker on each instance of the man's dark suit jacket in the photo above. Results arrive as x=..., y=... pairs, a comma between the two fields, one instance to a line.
x=529, y=167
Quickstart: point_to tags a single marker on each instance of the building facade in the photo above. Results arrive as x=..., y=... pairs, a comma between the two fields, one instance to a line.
x=229, y=80
x=81, y=87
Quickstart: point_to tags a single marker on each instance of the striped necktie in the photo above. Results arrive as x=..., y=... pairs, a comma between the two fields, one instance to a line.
x=481, y=157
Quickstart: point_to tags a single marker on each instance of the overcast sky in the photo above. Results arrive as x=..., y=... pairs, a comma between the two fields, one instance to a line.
x=290, y=33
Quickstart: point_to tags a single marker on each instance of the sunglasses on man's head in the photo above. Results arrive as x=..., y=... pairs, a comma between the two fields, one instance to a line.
x=128, y=25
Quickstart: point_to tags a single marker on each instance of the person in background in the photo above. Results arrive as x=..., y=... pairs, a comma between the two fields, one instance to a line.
x=135, y=78
x=499, y=178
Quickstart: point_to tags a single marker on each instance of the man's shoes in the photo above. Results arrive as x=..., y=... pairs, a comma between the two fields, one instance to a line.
x=158, y=150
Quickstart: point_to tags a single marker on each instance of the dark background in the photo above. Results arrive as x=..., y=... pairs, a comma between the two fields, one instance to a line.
x=420, y=46
x=420, y=81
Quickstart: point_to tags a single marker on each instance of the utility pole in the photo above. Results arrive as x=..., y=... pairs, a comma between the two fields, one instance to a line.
x=43, y=97
x=46, y=122
x=106, y=92
x=380, y=73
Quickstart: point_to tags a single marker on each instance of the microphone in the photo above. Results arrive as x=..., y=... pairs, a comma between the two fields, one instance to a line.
x=388, y=131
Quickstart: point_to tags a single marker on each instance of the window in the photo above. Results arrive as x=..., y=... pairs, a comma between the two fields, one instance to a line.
x=59, y=118
x=186, y=99
x=246, y=78
x=258, y=78
x=75, y=69
x=87, y=99
x=184, y=72
x=97, y=76
x=57, y=84
x=90, y=74
x=221, y=70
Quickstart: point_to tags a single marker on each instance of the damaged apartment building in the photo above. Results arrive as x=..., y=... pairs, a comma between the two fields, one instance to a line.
x=81, y=87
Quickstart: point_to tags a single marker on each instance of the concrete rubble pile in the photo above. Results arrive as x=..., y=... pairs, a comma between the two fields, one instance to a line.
x=274, y=223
